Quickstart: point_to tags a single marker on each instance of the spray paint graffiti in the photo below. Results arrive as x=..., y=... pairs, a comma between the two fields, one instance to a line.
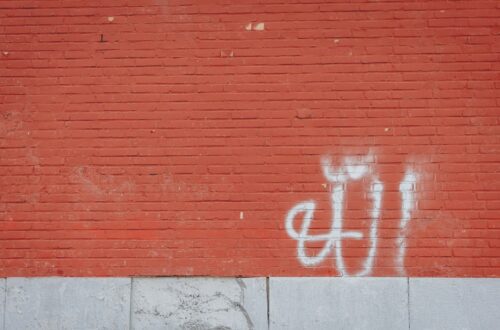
x=406, y=188
x=353, y=169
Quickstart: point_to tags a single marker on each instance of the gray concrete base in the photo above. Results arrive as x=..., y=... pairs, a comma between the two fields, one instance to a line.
x=67, y=303
x=199, y=303
x=250, y=303
x=450, y=303
x=338, y=303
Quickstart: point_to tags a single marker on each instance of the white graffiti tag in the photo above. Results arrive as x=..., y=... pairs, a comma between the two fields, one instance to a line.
x=352, y=170
x=406, y=188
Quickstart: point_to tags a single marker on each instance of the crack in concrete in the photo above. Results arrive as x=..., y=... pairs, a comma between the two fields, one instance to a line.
x=242, y=309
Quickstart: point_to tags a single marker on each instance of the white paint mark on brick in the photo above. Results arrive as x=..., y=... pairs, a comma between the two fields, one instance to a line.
x=259, y=27
x=353, y=169
x=255, y=26
x=242, y=215
x=111, y=19
x=406, y=188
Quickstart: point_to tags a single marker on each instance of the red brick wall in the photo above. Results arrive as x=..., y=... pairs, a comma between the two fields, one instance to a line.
x=175, y=137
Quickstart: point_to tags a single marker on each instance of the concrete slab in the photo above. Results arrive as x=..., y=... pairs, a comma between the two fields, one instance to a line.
x=67, y=303
x=199, y=303
x=2, y=303
x=454, y=303
x=338, y=303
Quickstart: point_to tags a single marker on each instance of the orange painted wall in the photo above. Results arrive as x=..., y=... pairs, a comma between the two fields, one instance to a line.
x=174, y=137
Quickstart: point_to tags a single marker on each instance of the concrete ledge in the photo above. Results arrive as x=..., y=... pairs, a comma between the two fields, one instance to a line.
x=454, y=303
x=338, y=303
x=199, y=303
x=67, y=303
x=196, y=303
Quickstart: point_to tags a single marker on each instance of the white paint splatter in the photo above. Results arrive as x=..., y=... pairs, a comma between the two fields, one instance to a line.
x=302, y=237
x=338, y=177
x=255, y=26
x=353, y=169
x=377, y=189
x=259, y=26
x=406, y=188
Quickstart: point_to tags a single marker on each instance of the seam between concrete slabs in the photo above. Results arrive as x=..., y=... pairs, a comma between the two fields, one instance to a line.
x=268, y=302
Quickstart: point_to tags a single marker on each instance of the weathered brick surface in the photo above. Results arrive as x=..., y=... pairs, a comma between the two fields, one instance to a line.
x=174, y=137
